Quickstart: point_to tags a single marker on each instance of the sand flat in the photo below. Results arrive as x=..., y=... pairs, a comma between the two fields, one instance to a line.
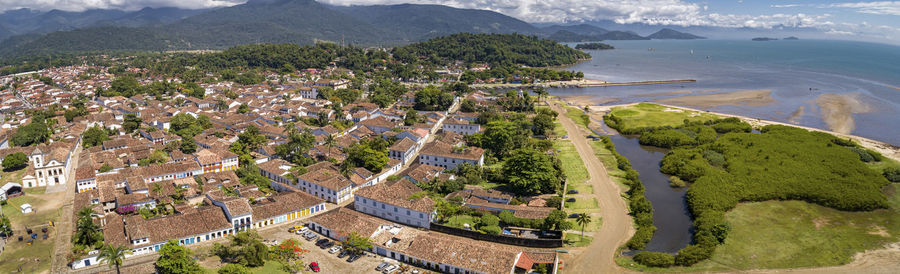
x=837, y=110
x=743, y=97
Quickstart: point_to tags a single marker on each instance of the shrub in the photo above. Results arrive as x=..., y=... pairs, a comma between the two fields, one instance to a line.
x=234, y=269
x=674, y=181
x=493, y=230
x=489, y=220
x=641, y=237
x=892, y=174
x=654, y=259
x=692, y=254
x=863, y=154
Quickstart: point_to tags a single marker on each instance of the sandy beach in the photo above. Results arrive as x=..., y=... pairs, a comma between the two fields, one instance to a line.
x=743, y=97
x=838, y=109
x=670, y=93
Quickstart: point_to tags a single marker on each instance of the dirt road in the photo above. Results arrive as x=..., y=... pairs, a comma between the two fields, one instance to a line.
x=617, y=225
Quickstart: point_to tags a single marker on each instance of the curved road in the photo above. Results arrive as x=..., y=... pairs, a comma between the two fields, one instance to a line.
x=617, y=225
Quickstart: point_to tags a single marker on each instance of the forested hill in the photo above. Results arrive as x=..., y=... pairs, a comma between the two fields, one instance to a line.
x=494, y=49
x=420, y=22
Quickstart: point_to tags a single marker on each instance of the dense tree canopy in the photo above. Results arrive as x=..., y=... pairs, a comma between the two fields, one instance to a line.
x=34, y=133
x=494, y=49
x=431, y=98
x=176, y=259
x=530, y=172
x=15, y=161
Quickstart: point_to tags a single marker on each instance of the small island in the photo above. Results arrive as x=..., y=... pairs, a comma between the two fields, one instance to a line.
x=791, y=38
x=593, y=46
x=764, y=39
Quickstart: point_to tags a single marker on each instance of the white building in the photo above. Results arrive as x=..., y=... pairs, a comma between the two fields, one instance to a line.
x=400, y=201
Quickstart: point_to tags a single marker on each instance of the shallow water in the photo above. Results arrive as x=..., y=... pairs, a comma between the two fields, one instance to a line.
x=797, y=72
x=670, y=213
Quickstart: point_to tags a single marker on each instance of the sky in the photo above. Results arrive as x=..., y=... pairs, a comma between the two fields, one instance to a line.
x=867, y=20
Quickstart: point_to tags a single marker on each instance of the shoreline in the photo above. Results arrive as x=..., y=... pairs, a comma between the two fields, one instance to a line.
x=885, y=149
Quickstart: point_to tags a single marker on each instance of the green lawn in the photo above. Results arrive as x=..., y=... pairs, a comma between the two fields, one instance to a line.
x=648, y=114
x=34, y=258
x=269, y=267
x=13, y=176
x=459, y=220
x=559, y=130
x=582, y=188
x=792, y=234
x=582, y=203
x=572, y=164
x=594, y=225
x=578, y=116
x=575, y=240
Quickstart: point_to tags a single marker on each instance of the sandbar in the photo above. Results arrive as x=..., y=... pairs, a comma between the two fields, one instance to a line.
x=743, y=97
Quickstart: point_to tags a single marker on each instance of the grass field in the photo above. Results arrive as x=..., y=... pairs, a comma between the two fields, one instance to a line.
x=572, y=164
x=36, y=257
x=578, y=116
x=792, y=234
x=582, y=203
x=647, y=114
x=460, y=220
x=575, y=240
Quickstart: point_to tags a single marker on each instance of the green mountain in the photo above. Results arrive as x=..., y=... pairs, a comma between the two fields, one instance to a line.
x=673, y=34
x=582, y=29
x=420, y=22
x=88, y=39
x=274, y=21
x=568, y=36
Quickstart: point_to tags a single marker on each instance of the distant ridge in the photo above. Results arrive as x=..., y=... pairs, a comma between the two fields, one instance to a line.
x=668, y=33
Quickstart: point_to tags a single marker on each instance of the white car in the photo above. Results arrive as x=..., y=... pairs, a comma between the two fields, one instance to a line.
x=335, y=249
x=390, y=269
x=302, y=230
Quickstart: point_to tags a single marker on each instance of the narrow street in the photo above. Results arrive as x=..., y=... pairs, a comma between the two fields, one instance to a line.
x=65, y=224
x=617, y=225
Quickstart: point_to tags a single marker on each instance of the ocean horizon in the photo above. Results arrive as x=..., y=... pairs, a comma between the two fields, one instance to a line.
x=797, y=72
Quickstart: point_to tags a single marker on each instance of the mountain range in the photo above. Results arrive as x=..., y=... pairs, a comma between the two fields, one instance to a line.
x=26, y=32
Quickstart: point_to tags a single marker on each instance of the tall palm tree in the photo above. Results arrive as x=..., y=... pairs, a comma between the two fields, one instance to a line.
x=113, y=255
x=330, y=142
x=582, y=220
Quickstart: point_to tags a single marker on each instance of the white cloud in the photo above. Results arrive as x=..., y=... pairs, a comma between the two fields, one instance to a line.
x=81, y=5
x=879, y=7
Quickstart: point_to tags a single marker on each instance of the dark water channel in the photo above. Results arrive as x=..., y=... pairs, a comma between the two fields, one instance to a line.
x=670, y=212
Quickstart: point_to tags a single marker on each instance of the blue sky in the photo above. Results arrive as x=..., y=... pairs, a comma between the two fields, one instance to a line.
x=860, y=20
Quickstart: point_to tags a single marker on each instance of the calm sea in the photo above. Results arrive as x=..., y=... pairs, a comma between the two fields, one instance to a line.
x=797, y=72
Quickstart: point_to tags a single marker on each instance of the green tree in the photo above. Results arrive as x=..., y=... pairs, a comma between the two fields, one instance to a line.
x=34, y=133
x=529, y=171
x=113, y=255
x=86, y=232
x=431, y=98
x=176, y=259
x=131, y=123
x=243, y=108
x=370, y=154
x=234, y=269
x=94, y=136
x=582, y=219
x=356, y=243
x=557, y=220
x=5, y=227
x=15, y=161
x=188, y=146
x=503, y=137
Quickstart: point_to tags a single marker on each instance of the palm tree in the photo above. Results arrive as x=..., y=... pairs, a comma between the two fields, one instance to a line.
x=329, y=142
x=113, y=255
x=582, y=220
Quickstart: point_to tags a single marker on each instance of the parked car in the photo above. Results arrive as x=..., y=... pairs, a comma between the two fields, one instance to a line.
x=313, y=237
x=302, y=230
x=343, y=254
x=314, y=266
x=354, y=257
x=571, y=200
x=381, y=266
x=321, y=242
x=327, y=245
x=390, y=269
x=574, y=191
x=573, y=215
x=335, y=249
